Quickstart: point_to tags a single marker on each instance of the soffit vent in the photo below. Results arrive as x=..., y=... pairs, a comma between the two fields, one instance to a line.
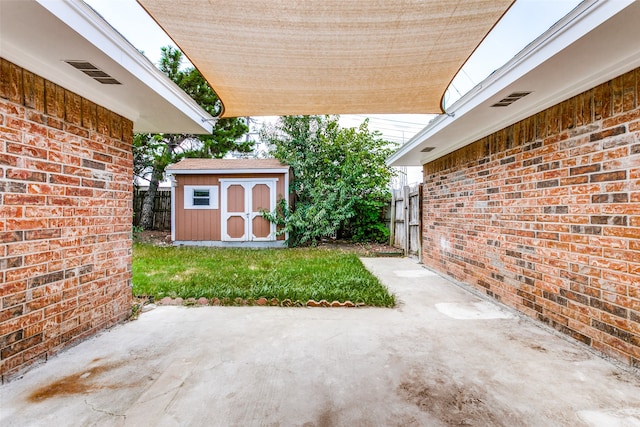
x=94, y=72
x=510, y=99
x=427, y=149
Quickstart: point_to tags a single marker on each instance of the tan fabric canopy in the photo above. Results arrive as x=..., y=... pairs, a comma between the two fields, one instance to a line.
x=283, y=57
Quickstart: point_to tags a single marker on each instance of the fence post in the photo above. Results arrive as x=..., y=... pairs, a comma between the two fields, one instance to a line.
x=406, y=213
x=392, y=222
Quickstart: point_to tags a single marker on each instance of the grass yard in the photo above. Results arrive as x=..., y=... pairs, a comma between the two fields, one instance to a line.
x=298, y=274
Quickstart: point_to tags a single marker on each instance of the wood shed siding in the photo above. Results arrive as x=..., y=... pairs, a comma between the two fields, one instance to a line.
x=205, y=224
x=196, y=224
x=235, y=194
x=260, y=198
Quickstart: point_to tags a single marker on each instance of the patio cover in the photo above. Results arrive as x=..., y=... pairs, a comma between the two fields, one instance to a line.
x=285, y=57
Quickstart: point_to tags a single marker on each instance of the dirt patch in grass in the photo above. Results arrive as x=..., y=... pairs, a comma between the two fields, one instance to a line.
x=361, y=249
x=163, y=238
x=153, y=237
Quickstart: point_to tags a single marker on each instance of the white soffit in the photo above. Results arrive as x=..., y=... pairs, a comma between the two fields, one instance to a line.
x=283, y=57
x=594, y=43
x=40, y=35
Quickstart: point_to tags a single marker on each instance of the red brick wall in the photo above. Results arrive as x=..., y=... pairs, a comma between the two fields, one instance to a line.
x=65, y=218
x=545, y=216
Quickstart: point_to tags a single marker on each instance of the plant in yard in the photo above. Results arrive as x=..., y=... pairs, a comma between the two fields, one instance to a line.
x=367, y=226
x=340, y=178
x=136, y=308
x=136, y=231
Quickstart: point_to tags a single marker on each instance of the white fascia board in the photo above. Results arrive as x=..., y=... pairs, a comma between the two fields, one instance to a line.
x=223, y=171
x=583, y=19
x=84, y=20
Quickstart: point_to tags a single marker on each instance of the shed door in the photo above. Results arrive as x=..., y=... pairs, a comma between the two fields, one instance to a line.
x=242, y=202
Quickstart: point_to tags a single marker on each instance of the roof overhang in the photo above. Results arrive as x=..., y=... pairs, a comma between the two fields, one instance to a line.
x=196, y=166
x=225, y=171
x=40, y=35
x=285, y=57
x=594, y=43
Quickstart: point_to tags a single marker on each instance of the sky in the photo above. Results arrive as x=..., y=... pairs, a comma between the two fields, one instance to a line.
x=523, y=23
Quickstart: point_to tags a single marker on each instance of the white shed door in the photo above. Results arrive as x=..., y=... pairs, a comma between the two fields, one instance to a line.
x=242, y=201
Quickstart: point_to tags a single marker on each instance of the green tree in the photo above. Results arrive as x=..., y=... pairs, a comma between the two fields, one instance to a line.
x=340, y=178
x=152, y=153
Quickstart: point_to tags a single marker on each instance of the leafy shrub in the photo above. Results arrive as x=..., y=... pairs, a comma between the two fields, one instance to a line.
x=340, y=178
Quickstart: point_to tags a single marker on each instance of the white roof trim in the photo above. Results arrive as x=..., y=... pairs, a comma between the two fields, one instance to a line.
x=583, y=19
x=91, y=26
x=224, y=171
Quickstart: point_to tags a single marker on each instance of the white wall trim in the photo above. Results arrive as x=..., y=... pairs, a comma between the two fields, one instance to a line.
x=235, y=244
x=174, y=185
x=274, y=180
x=214, y=197
x=247, y=184
x=286, y=197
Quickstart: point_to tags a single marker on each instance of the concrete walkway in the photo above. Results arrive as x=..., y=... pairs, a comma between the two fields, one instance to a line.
x=443, y=357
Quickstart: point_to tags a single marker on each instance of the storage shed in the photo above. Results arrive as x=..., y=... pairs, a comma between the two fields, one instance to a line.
x=218, y=202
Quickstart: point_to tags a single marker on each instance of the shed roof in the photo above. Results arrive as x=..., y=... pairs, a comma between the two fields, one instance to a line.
x=208, y=166
x=283, y=57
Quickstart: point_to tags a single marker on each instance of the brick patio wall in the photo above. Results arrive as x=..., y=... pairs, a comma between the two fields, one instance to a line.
x=544, y=216
x=65, y=218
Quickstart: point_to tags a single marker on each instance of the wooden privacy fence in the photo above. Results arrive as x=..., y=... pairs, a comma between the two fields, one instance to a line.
x=406, y=219
x=161, y=208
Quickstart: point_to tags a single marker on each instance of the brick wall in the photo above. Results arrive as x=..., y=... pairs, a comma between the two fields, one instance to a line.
x=65, y=218
x=545, y=216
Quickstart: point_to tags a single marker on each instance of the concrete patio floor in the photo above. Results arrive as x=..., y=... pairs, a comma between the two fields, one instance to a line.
x=442, y=357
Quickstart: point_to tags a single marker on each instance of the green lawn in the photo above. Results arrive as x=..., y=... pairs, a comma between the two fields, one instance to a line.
x=298, y=274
